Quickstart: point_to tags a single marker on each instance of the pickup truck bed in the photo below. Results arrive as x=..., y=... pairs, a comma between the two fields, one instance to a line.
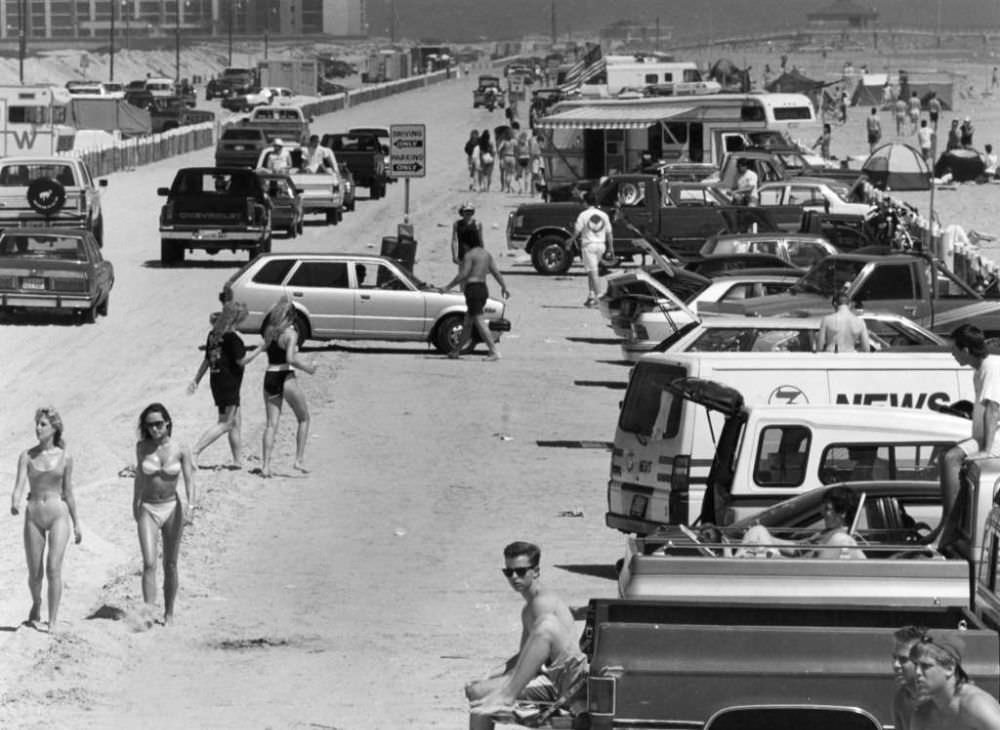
x=656, y=665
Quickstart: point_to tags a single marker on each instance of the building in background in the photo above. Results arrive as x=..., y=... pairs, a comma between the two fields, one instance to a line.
x=197, y=18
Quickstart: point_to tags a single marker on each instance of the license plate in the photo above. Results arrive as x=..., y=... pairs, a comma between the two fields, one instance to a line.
x=239, y=147
x=213, y=233
x=33, y=283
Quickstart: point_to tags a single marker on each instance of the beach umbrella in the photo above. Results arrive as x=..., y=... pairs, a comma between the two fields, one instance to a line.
x=897, y=166
x=963, y=164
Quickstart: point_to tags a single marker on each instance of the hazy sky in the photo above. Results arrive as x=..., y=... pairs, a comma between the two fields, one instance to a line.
x=462, y=20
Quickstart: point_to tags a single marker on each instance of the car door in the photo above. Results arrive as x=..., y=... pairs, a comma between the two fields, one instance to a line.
x=323, y=289
x=386, y=304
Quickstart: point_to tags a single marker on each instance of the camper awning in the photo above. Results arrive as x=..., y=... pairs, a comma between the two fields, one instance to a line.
x=610, y=117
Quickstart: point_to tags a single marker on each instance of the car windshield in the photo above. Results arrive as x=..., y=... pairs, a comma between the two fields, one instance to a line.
x=828, y=276
x=61, y=247
x=753, y=339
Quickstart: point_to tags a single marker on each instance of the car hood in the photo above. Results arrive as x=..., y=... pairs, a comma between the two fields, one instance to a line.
x=774, y=305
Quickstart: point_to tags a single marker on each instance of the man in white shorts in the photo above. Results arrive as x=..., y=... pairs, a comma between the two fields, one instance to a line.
x=593, y=231
x=969, y=348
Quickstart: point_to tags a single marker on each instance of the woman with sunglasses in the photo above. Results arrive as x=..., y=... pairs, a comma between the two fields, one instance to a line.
x=157, y=504
x=47, y=470
x=281, y=342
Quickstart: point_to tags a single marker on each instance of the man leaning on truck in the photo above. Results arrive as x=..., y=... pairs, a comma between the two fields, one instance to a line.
x=548, y=664
x=905, y=699
x=948, y=700
x=969, y=348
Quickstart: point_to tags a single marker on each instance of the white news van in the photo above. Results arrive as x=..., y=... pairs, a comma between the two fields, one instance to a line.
x=654, y=426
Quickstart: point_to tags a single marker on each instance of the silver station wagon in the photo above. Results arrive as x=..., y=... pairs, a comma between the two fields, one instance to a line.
x=343, y=296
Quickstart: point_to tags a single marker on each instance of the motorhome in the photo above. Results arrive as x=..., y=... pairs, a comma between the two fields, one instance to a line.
x=36, y=120
x=654, y=426
x=589, y=137
x=623, y=73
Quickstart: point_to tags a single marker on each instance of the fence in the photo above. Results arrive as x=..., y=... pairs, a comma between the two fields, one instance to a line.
x=129, y=154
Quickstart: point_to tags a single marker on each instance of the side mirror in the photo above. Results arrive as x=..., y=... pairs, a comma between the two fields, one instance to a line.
x=163, y=191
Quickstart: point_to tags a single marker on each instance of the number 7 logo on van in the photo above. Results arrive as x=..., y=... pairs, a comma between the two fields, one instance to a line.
x=787, y=395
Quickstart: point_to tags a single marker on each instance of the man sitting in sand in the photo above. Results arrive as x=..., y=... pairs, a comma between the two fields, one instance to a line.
x=548, y=661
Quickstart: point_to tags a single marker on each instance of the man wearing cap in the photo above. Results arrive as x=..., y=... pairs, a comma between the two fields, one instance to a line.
x=466, y=233
x=278, y=159
x=948, y=700
x=593, y=231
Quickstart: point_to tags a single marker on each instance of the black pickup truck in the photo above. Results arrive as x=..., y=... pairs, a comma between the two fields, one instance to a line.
x=362, y=153
x=170, y=112
x=637, y=204
x=212, y=209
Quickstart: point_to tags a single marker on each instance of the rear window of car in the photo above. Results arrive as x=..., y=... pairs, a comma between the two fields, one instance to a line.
x=753, y=339
x=648, y=405
x=244, y=134
x=892, y=461
x=23, y=175
x=71, y=249
x=273, y=272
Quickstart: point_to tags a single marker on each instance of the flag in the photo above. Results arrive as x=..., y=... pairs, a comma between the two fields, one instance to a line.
x=585, y=68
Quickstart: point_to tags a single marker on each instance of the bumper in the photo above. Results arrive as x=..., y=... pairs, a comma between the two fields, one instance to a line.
x=30, y=220
x=631, y=525
x=46, y=301
x=221, y=238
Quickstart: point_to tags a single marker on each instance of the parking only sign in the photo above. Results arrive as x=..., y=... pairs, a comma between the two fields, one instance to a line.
x=407, y=150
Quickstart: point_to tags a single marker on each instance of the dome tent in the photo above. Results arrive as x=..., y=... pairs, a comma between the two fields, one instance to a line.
x=897, y=166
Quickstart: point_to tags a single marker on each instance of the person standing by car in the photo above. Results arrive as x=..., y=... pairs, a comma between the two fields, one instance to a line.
x=47, y=470
x=746, y=184
x=476, y=264
x=593, y=232
x=466, y=233
x=905, y=698
x=157, y=503
x=224, y=357
x=281, y=343
x=842, y=331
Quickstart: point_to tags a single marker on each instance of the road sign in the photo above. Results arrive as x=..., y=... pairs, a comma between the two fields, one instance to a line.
x=407, y=150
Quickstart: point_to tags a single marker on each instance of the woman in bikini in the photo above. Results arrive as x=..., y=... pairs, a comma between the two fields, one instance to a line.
x=157, y=503
x=281, y=342
x=51, y=510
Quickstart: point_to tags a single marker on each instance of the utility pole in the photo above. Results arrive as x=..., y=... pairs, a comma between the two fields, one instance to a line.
x=553, y=20
x=22, y=40
x=230, y=63
x=177, y=43
x=111, y=62
x=657, y=33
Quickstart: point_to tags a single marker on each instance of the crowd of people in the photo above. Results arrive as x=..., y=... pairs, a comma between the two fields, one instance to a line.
x=517, y=153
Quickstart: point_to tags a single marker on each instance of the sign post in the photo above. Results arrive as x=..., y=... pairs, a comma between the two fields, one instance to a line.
x=407, y=157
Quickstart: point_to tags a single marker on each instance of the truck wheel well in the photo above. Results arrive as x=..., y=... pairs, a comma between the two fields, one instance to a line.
x=542, y=232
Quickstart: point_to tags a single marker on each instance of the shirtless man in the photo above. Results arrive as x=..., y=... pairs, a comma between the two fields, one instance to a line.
x=475, y=265
x=548, y=660
x=842, y=331
x=949, y=700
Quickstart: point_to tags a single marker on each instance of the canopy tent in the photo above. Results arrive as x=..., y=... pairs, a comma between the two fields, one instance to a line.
x=795, y=82
x=963, y=164
x=868, y=91
x=730, y=77
x=612, y=117
x=897, y=166
x=110, y=115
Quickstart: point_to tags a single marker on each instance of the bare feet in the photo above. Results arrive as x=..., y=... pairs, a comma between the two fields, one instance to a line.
x=492, y=357
x=299, y=466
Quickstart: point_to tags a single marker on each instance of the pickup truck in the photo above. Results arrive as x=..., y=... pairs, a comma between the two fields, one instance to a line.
x=774, y=166
x=212, y=209
x=637, y=204
x=899, y=283
x=362, y=153
x=322, y=191
x=479, y=94
x=267, y=95
x=171, y=112
x=50, y=191
x=287, y=122
x=231, y=81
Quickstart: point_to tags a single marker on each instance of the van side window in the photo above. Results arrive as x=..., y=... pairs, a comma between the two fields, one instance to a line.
x=888, y=282
x=847, y=462
x=782, y=454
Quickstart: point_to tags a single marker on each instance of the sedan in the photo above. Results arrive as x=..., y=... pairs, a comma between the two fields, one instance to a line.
x=797, y=249
x=54, y=269
x=355, y=297
x=811, y=194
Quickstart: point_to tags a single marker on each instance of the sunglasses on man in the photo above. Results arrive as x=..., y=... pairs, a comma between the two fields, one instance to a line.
x=519, y=572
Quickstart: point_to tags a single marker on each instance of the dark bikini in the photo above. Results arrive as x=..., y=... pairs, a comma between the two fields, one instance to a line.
x=274, y=380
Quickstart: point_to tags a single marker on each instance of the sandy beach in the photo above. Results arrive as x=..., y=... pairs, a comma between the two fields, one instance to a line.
x=363, y=595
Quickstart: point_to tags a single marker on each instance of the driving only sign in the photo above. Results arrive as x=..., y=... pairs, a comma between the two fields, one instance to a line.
x=407, y=150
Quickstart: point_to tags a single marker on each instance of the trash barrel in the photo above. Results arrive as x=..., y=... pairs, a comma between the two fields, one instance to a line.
x=403, y=250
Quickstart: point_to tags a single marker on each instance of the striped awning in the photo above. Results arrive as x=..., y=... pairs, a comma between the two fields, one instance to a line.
x=609, y=117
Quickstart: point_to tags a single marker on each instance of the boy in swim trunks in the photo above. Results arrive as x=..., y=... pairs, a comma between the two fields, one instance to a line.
x=548, y=661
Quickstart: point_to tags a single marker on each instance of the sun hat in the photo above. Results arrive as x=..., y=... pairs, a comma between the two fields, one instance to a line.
x=277, y=140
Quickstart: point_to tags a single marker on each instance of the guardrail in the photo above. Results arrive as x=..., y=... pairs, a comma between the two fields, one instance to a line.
x=129, y=154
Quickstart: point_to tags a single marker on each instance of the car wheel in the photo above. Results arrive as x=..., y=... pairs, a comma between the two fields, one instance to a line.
x=171, y=252
x=448, y=335
x=292, y=231
x=550, y=257
x=103, y=308
x=332, y=216
x=302, y=328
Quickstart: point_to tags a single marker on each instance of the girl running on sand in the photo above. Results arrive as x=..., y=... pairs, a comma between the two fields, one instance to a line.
x=157, y=503
x=49, y=513
x=281, y=342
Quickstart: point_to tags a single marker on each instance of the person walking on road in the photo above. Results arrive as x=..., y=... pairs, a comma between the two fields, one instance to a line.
x=905, y=698
x=842, y=331
x=487, y=158
x=873, y=125
x=466, y=233
x=157, y=503
x=281, y=343
x=593, y=232
x=475, y=265
x=49, y=515
x=224, y=359
x=548, y=665
x=470, y=158
x=934, y=109
x=914, y=112
x=950, y=699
